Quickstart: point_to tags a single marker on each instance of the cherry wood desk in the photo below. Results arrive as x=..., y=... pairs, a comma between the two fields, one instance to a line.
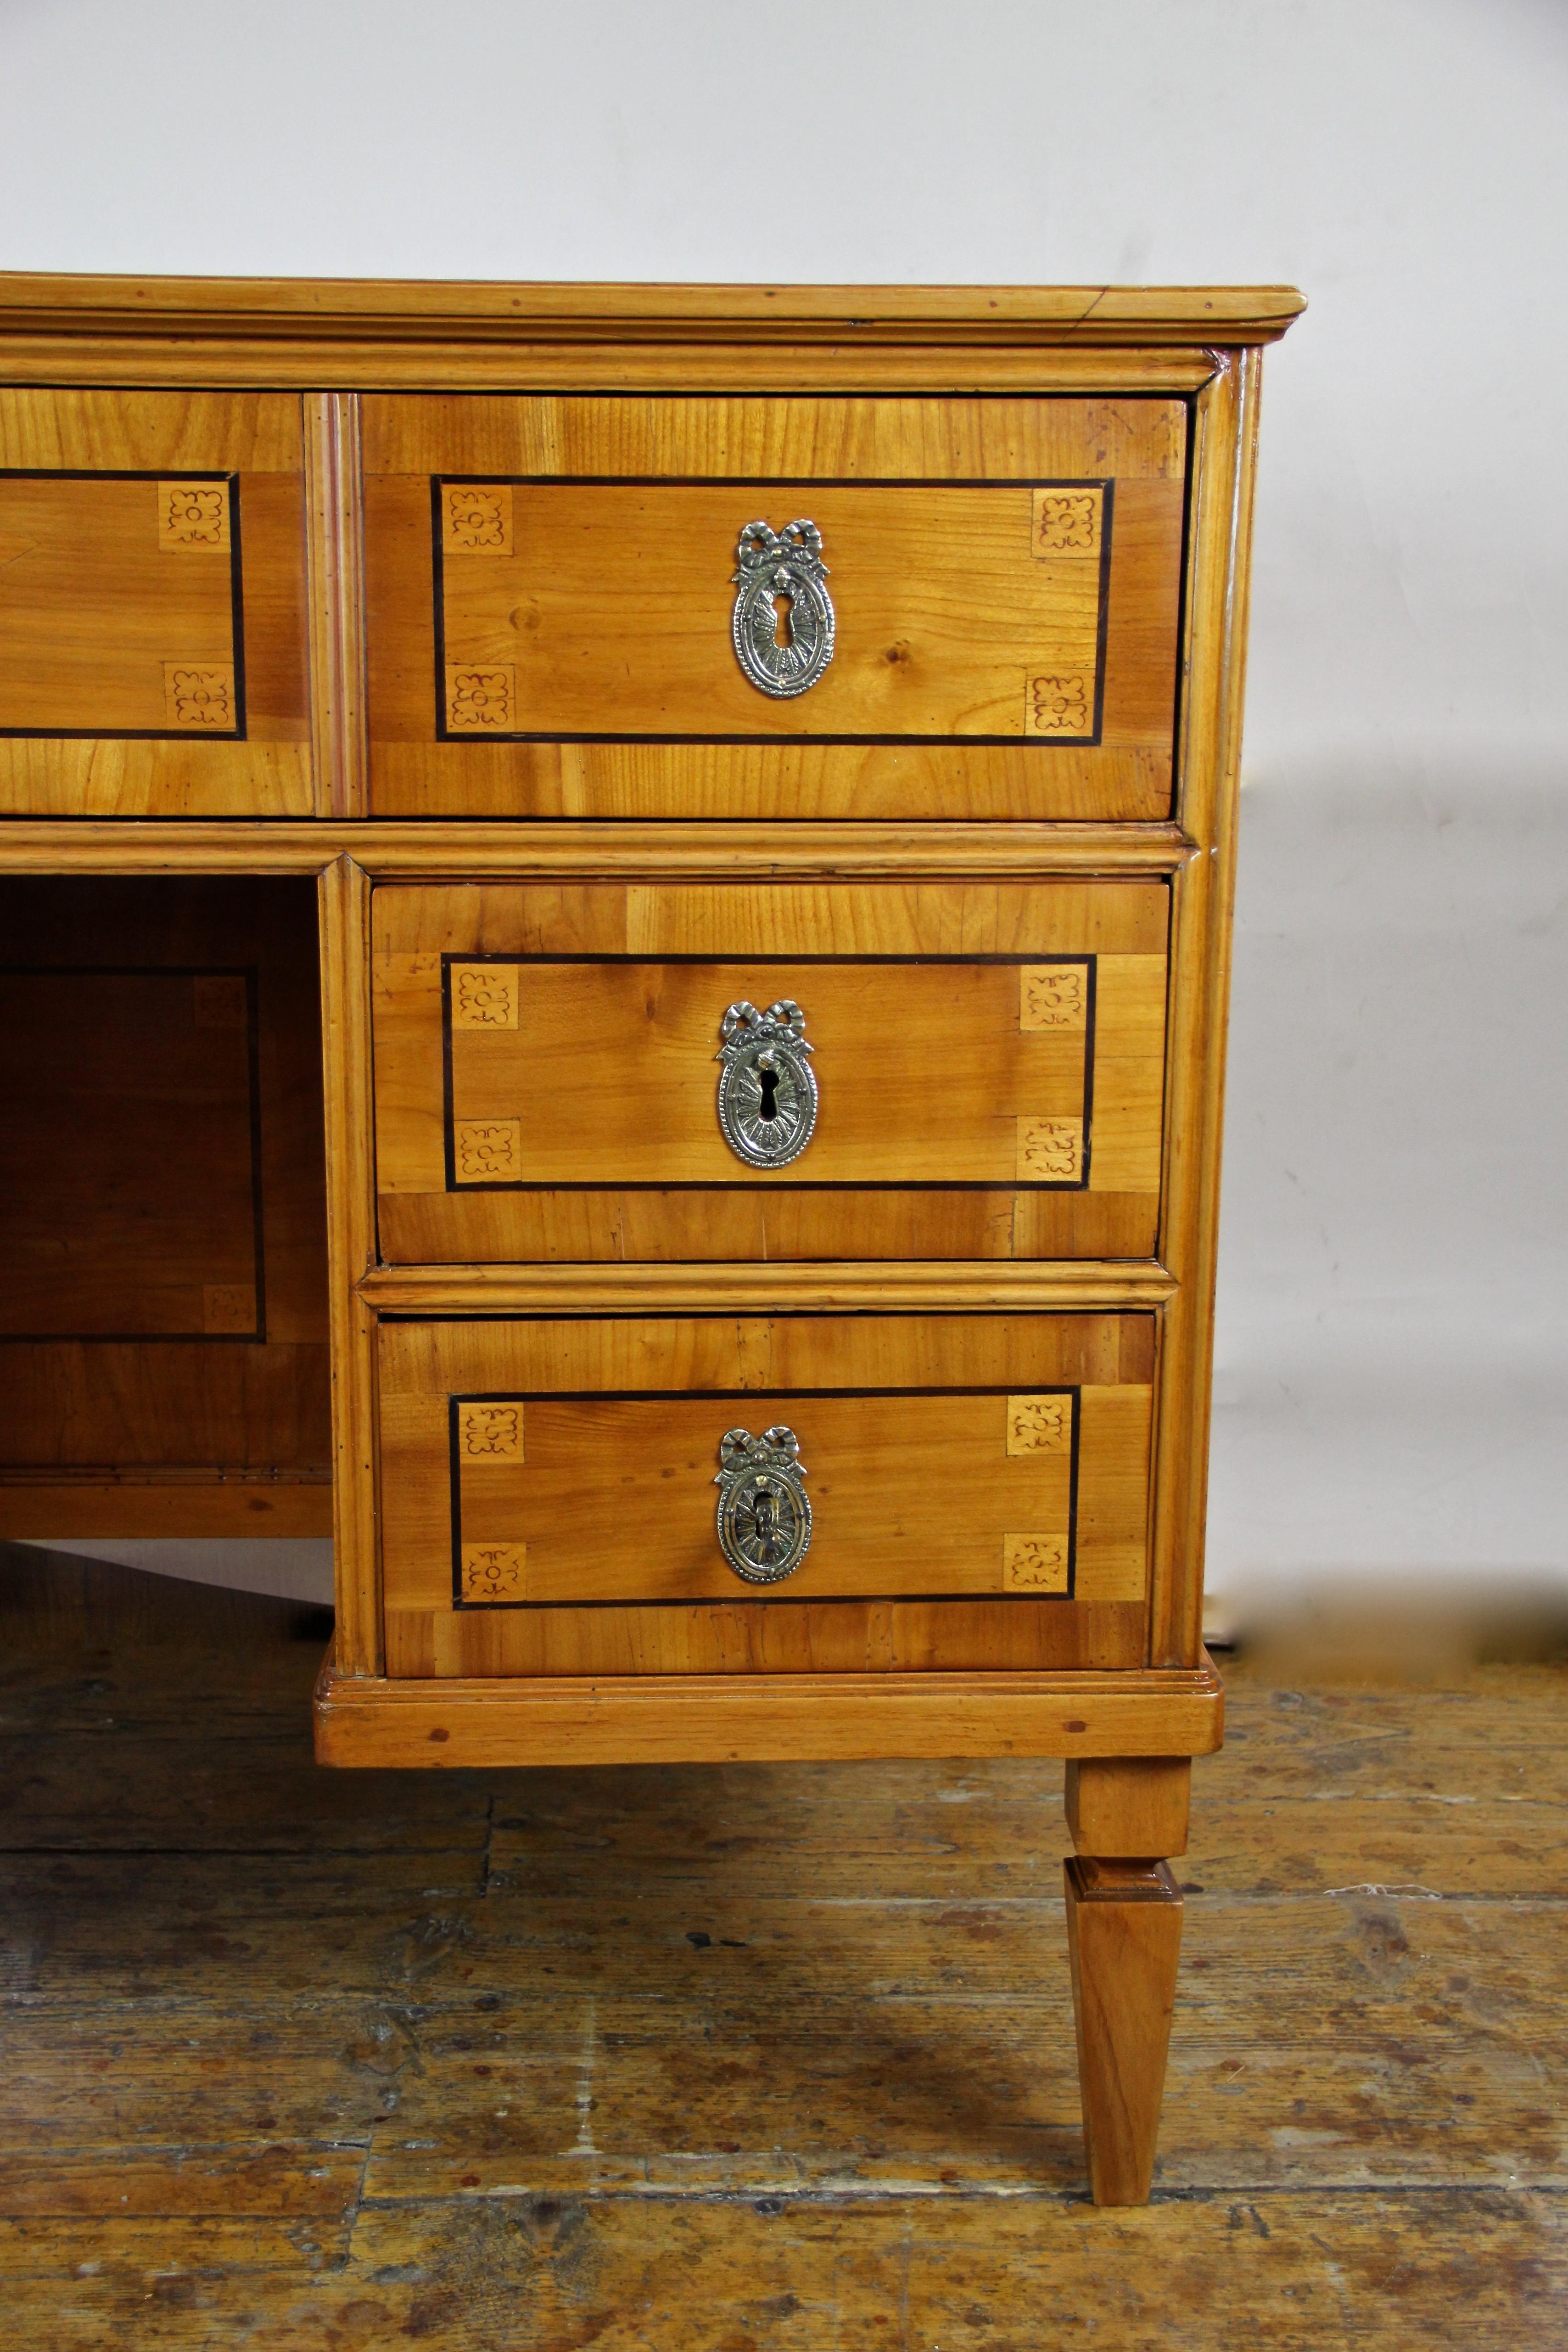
x=616, y=905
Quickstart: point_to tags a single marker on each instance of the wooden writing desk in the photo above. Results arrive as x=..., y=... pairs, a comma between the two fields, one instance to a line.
x=765, y=761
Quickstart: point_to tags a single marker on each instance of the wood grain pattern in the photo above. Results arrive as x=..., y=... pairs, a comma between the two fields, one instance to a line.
x=880, y=2008
x=950, y=370
x=217, y=1503
x=128, y=1186
x=137, y=1276
x=883, y=1523
x=106, y=594
x=722, y=1288
x=97, y=604
x=804, y=440
x=513, y=852
x=1202, y=897
x=71, y=427
x=496, y=1723
x=336, y=587
x=927, y=644
x=416, y=311
x=946, y=606
x=344, y=913
x=610, y=1070
x=914, y=1494
x=602, y=1075
x=742, y=1639
x=180, y=777
x=1123, y=1940
x=1125, y=1805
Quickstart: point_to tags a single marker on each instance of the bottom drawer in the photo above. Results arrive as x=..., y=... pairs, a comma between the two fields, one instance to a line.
x=746, y=1494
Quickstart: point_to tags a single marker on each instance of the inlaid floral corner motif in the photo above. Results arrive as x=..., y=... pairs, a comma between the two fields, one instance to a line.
x=1039, y=1425
x=487, y=1150
x=494, y=1571
x=483, y=996
x=1034, y=1563
x=1053, y=995
x=476, y=517
x=193, y=518
x=228, y=1309
x=1060, y=702
x=490, y=1432
x=1067, y=521
x=480, y=701
x=199, y=698
x=1051, y=1150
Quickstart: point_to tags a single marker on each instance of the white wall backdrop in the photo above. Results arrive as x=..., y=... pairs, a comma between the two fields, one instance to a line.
x=1392, y=1350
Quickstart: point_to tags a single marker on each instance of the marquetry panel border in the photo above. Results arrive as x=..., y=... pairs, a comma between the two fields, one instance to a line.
x=227, y=678
x=464, y=1568
x=496, y=1139
x=1061, y=711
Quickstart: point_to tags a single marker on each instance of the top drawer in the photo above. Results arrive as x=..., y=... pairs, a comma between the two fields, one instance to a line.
x=152, y=604
x=552, y=589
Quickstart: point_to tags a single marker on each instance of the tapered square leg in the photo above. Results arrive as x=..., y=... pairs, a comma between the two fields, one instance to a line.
x=1123, y=1937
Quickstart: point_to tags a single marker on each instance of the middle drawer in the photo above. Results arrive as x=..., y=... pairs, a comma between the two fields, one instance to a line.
x=690, y=1072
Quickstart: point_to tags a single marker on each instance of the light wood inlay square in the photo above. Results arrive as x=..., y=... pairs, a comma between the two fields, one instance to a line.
x=494, y=1571
x=487, y=1150
x=1053, y=995
x=1060, y=702
x=1039, y=1425
x=1034, y=1563
x=220, y=1000
x=193, y=518
x=199, y=698
x=476, y=517
x=480, y=701
x=1051, y=1150
x=229, y=1307
x=1067, y=522
x=483, y=996
x=490, y=1432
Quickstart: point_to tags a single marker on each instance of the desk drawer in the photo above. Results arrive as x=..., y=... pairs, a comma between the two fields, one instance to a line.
x=967, y=1491
x=553, y=1078
x=152, y=604
x=563, y=617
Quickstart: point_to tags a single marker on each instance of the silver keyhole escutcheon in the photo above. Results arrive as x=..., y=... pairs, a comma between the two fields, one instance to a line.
x=767, y=1086
x=783, y=623
x=764, y=1513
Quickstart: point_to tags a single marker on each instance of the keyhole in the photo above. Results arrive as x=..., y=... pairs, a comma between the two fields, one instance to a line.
x=769, y=1079
x=783, y=634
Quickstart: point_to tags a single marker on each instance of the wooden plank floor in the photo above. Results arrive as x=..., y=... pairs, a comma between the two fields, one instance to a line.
x=751, y=2059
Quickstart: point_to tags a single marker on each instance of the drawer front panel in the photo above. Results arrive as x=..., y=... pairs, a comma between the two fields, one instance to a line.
x=978, y=1489
x=152, y=606
x=989, y=1065
x=552, y=593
